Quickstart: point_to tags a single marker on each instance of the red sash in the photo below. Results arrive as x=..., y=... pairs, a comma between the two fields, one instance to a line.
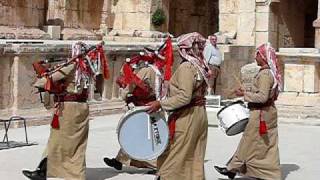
x=196, y=101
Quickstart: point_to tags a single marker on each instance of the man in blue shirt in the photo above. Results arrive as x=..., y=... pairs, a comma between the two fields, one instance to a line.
x=212, y=55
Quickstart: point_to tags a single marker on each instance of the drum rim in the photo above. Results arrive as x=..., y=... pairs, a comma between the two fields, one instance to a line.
x=141, y=109
x=234, y=125
x=231, y=104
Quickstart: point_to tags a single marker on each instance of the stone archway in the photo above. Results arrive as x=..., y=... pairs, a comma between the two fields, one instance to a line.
x=193, y=15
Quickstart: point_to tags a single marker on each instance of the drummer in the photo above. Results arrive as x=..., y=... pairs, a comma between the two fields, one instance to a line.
x=150, y=71
x=188, y=124
x=257, y=155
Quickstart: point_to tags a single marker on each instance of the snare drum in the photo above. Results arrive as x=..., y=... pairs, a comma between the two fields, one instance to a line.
x=233, y=118
x=143, y=136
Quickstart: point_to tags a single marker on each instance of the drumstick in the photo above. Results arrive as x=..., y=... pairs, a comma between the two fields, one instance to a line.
x=152, y=139
x=149, y=128
x=238, y=80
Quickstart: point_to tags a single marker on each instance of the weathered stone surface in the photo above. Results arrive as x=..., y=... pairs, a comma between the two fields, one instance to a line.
x=53, y=31
x=22, y=33
x=228, y=22
x=234, y=59
x=248, y=72
x=246, y=38
x=293, y=77
x=246, y=6
x=262, y=22
x=245, y=28
x=79, y=34
x=261, y=38
x=228, y=6
x=311, y=78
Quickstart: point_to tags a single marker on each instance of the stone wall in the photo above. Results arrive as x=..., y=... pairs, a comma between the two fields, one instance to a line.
x=284, y=23
x=22, y=13
x=301, y=70
x=228, y=15
x=190, y=16
x=80, y=19
x=16, y=15
x=131, y=15
x=291, y=23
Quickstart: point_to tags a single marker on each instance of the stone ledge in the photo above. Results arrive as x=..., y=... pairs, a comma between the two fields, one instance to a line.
x=57, y=47
x=37, y=117
x=22, y=33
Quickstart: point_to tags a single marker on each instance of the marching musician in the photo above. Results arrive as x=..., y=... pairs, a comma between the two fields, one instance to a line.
x=257, y=154
x=188, y=124
x=154, y=68
x=67, y=143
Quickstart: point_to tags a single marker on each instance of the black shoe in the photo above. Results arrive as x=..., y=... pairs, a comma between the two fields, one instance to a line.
x=225, y=171
x=35, y=175
x=153, y=171
x=113, y=163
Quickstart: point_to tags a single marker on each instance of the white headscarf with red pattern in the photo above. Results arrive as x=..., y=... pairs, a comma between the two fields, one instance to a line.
x=185, y=44
x=268, y=54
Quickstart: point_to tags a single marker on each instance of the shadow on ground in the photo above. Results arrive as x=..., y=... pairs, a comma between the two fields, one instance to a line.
x=106, y=173
x=241, y=178
x=286, y=169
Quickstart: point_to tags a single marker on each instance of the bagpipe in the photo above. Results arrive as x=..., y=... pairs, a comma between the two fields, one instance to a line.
x=160, y=58
x=89, y=61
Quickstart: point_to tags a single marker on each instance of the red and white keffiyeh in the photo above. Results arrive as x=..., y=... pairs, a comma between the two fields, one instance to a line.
x=268, y=54
x=186, y=43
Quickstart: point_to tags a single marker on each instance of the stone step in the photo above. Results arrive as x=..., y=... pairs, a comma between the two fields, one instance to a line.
x=308, y=115
x=306, y=122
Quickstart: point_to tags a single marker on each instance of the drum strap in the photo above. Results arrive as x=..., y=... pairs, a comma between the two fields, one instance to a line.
x=197, y=101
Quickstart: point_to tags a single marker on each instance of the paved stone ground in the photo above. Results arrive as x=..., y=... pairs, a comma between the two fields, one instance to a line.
x=299, y=151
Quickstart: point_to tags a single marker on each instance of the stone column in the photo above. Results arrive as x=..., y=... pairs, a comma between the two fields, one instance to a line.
x=246, y=23
x=316, y=25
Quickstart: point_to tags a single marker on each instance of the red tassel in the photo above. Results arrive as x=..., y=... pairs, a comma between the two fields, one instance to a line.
x=106, y=72
x=49, y=84
x=262, y=126
x=169, y=59
x=55, y=121
x=172, y=128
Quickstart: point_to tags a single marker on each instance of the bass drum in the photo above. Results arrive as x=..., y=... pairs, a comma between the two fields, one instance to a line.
x=143, y=136
x=233, y=118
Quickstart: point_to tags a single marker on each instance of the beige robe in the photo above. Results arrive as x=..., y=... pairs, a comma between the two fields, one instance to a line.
x=184, y=158
x=67, y=145
x=148, y=75
x=258, y=156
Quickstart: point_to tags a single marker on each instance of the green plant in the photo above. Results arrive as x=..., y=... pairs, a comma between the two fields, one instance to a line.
x=158, y=17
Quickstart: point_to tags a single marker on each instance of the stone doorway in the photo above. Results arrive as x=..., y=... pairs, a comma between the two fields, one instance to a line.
x=294, y=22
x=193, y=15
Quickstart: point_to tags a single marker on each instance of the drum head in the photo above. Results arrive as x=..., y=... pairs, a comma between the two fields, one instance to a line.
x=237, y=128
x=141, y=138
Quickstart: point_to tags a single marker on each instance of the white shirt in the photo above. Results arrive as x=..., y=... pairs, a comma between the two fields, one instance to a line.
x=212, y=54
